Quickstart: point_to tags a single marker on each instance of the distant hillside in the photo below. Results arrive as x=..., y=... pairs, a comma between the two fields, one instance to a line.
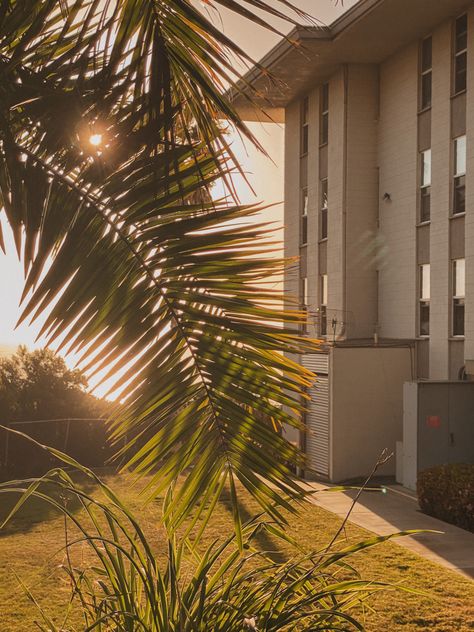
x=6, y=350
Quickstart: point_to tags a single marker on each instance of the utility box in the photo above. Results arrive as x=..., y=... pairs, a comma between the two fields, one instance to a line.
x=356, y=409
x=438, y=426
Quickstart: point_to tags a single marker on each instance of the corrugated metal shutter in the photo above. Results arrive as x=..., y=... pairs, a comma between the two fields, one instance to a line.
x=317, y=417
x=317, y=362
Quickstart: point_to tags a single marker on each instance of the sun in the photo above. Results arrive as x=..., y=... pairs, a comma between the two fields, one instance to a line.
x=95, y=139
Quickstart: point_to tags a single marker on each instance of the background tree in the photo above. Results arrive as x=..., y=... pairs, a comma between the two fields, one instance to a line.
x=38, y=385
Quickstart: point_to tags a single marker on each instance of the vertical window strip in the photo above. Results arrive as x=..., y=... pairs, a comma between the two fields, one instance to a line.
x=426, y=63
x=460, y=55
x=459, y=179
x=323, y=225
x=304, y=127
x=459, y=294
x=304, y=217
x=323, y=321
x=304, y=301
x=424, y=299
x=425, y=186
x=324, y=115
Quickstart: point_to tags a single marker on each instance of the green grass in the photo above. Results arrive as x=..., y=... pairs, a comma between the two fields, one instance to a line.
x=30, y=549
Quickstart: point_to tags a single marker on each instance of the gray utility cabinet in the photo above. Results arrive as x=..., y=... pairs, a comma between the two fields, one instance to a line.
x=438, y=426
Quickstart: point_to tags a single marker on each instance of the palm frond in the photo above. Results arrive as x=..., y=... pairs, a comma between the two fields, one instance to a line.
x=148, y=279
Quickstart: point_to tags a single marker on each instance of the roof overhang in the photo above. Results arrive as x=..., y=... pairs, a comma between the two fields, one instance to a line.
x=368, y=33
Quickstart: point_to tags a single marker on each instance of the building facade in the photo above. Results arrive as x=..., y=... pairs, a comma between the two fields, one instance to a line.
x=379, y=207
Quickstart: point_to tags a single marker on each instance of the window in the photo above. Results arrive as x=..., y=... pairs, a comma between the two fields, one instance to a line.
x=426, y=73
x=323, y=226
x=304, y=301
x=305, y=126
x=304, y=218
x=425, y=186
x=424, y=300
x=460, y=55
x=459, y=185
x=459, y=292
x=323, y=319
x=324, y=116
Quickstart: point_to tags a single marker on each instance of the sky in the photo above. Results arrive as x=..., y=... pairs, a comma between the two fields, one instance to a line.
x=265, y=175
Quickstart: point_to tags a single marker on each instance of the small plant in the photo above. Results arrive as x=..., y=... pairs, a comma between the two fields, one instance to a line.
x=447, y=492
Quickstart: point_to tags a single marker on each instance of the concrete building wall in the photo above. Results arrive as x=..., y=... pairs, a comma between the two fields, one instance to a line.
x=313, y=270
x=336, y=255
x=366, y=407
x=397, y=139
x=291, y=218
x=469, y=220
x=361, y=201
x=440, y=203
x=292, y=199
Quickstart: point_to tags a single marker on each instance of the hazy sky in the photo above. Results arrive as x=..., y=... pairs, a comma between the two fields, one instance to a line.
x=266, y=177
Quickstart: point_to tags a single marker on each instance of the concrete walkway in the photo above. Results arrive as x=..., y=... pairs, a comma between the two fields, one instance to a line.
x=397, y=510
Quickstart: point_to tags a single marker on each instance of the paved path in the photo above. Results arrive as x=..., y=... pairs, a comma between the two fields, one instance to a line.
x=397, y=510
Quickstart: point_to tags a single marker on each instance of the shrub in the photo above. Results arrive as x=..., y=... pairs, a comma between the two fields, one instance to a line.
x=447, y=492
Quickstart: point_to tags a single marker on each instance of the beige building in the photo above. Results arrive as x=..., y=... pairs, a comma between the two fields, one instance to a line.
x=379, y=205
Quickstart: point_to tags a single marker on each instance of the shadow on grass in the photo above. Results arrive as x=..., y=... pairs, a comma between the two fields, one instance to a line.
x=264, y=540
x=36, y=510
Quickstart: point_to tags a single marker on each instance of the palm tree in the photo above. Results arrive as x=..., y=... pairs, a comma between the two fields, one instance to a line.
x=110, y=132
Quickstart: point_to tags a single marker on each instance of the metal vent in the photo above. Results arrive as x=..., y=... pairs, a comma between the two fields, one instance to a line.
x=317, y=362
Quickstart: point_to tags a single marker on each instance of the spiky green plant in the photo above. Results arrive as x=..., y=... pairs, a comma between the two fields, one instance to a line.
x=126, y=586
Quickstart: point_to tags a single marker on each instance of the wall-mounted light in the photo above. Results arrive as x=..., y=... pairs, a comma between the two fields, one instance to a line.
x=387, y=197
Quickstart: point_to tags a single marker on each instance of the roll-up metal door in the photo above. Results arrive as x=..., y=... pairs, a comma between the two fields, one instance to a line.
x=317, y=417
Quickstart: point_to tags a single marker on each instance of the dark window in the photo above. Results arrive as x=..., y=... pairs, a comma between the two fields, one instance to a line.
x=459, y=291
x=304, y=218
x=426, y=54
x=424, y=303
x=323, y=320
x=425, y=204
x=424, y=318
x=304, y=302
x=459, y=183
x=324, y=210
x=460, y=55
x=425, y=186
x=305, y=126
x=459, y=195
x=458, y=317
x=324, y=118
x=426, y=73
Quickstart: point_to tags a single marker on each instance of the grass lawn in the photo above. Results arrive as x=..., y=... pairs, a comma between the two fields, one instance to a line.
x=29, y=549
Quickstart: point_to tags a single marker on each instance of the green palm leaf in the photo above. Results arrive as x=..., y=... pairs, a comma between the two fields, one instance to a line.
x=136, y=268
